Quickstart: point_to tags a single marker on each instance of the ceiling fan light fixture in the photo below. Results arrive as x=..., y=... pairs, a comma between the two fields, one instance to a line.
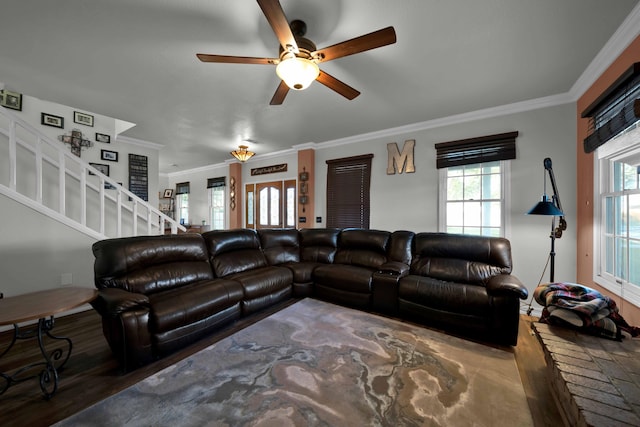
x=242, y=154
x=297, y=73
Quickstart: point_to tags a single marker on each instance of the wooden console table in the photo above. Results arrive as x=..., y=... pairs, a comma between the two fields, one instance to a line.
x=41, y=306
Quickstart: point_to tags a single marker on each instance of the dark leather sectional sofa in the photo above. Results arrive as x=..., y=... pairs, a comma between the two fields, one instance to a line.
x=159, y=293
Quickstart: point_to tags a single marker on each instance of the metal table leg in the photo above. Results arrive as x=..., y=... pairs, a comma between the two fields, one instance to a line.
x=49, y=374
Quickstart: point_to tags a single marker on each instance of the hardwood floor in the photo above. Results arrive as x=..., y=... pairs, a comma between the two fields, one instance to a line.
x=91, y=374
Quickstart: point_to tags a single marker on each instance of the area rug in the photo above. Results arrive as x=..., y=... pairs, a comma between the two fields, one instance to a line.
x=319, y=364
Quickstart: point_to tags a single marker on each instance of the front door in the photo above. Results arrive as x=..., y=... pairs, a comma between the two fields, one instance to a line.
x=271, y=204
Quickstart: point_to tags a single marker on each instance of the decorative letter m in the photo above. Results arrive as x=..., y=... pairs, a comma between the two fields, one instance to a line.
x=400, y=162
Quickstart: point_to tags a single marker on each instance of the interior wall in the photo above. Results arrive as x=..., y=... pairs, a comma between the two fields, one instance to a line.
x=36, y=251
x=409, y=201
x=585, y=170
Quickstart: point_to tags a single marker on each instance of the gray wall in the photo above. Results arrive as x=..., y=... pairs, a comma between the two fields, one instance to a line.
x=410, y=201
x=34, y=252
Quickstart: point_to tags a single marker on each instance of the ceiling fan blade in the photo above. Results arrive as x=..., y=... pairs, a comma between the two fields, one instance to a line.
x=204, y=57
x=281, y=92
x=383, y=37
x=337, y=85
x=278, y=20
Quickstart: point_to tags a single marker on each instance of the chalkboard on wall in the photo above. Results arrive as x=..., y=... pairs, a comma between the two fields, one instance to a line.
x=139, y=176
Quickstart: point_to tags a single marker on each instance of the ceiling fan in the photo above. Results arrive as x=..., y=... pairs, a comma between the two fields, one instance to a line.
x=297, y=64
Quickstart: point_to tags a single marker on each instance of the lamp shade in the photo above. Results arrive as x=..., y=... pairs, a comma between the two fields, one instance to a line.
x=242, y=153
x=545, y=207
x=297, y=73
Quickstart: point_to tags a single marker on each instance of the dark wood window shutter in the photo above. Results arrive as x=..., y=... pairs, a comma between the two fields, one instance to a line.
x=216, y=182
x=348, y=185
x=182, y=188
x=476, y=150
x=615, y=110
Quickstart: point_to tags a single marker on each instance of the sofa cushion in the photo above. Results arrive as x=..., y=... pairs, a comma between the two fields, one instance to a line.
x=365, y=248
x=462, y=258
x=400, y=245
x=459, y=270
x=302, y=271
x=351, y=278
x=445, y=296
x=149, y=264
x=189, y=304
x=280, y=245
x=234, y=251
x=263, y=281
x=238, y=261
x=318, y=244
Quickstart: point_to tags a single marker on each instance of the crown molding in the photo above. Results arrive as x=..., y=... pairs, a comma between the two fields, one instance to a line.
x=138, y=142
x=305, y=146
x=208, y=168
x=486, y=113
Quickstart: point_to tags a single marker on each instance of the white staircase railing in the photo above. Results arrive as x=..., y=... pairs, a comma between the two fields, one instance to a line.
x=43, y=174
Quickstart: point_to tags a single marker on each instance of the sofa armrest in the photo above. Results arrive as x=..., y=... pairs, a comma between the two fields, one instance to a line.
x=507, y=284
x=114, y=301
x=394, y=267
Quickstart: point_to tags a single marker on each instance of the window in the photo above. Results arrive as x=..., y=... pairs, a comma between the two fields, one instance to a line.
x=182, y=202
x=348, y=182
x=615, y=138
x=474, y=174
x=269, y=202
x=474, y=199
x=618, y=237
x=216, y=187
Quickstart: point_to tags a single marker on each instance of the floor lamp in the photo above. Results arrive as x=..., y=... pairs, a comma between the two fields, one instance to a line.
x=551, y=207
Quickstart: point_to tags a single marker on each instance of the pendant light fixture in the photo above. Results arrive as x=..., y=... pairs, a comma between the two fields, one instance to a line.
x=242, y=154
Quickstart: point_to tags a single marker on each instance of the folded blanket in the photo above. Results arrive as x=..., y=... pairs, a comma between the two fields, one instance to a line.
x=582, y=307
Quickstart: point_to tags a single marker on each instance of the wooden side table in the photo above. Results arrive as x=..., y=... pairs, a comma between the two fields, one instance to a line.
x=42, y=305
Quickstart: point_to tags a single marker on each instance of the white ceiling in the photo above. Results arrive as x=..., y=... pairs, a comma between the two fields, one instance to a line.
x=135, y=60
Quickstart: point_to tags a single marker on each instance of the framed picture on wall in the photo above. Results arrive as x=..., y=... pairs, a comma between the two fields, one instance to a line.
x=102, y=137
x=51, y=120
x=102, y=168
x=108, y=155
x=168, y=193
x=83, y=118
x=11, y=100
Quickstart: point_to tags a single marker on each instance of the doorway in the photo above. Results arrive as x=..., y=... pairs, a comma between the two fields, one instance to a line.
x=271, y=204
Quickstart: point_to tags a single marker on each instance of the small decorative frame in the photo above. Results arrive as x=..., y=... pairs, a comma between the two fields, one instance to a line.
x=304, y=187
x=111, y=156
x=51, y=120
x=232, y=193
x=11, y=100
x=104, y=169
x=168, y=193
x=108, y=186
x=83, y=118
x=304, y=176
x=102, y=137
